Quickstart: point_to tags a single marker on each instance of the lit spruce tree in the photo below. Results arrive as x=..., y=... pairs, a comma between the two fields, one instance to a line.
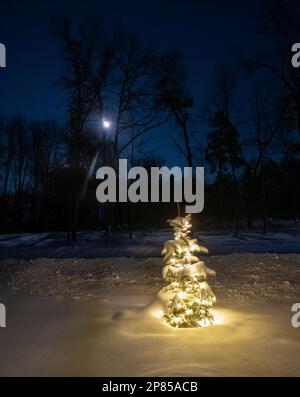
x=188, y=298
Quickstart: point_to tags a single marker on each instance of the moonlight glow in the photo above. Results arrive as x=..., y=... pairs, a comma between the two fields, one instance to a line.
x=188, y=298
x=106, y=124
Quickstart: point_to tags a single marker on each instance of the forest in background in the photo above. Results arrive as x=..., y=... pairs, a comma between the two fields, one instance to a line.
x=248, y=142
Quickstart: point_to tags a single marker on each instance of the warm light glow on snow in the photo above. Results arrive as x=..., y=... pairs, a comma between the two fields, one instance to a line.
x=158, y=313
x=218, y=318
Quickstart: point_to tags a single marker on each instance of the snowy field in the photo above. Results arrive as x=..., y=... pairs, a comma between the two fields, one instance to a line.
x=284, y=238
x=47, y=338
x=87, y=309
x=94, y=317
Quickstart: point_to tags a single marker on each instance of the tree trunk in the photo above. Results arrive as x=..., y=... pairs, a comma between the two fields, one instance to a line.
x=263, y=196
x=74, y=192
x=5, y=187
x=236, y=202
x=187, y=145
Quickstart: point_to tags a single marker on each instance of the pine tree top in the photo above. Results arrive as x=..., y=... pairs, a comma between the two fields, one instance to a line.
x=181, y=221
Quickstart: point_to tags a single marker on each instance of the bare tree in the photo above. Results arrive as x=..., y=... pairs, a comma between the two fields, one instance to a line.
x=174, y=97
x=87, y=70
x=130, y=96
x=48, y=144
x=282, y=28
x=265, y=124
x=7, y=143
x=21, y=153
x=224, y=152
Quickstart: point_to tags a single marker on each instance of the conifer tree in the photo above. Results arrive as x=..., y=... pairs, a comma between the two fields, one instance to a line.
x=188, y=297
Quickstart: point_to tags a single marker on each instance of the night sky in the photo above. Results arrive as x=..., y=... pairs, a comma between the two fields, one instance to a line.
x=205, y=31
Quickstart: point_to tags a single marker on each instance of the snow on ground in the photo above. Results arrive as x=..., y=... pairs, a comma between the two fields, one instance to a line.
x=92, y=317
x=86, y=309
x=285, y=239
x=242, y=278
x=48, y=338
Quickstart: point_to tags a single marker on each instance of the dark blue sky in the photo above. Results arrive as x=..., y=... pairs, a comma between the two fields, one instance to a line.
x=204, y=30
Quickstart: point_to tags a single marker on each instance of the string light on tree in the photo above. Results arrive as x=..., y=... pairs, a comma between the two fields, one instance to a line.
x=188, y=297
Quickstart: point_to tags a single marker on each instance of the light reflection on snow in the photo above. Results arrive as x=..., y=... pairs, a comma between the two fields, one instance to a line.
x=158, y=313
x=229, y=347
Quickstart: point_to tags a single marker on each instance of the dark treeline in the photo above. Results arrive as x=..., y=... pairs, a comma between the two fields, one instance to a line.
x=250, y=147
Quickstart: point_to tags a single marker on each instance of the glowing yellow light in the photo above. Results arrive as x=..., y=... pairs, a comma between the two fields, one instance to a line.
x=217, y=319
x=190, y=297
x=159, y=313
x=204, y=323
